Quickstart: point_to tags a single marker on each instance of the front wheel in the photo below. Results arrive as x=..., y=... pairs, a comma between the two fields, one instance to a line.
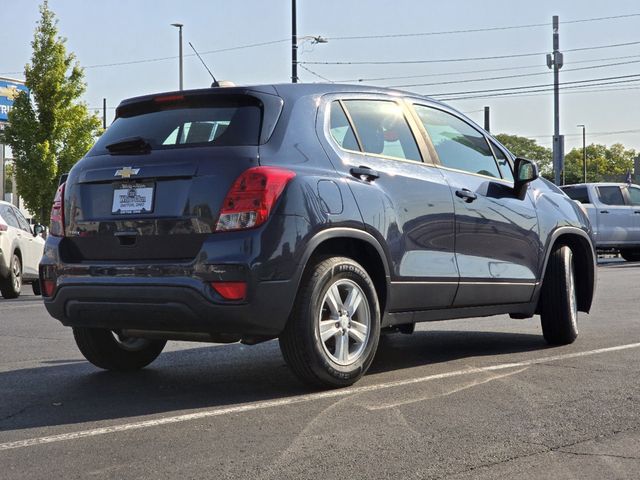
x=332, y=335
x=559, y=307
x=113, y=351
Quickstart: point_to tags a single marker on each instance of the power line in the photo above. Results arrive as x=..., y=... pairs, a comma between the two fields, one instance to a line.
x=487, y=70
x=523, y=87
x=467, y=59
x=476, y=30
x=443, y=97
x=544, y=93
x=316, y=74
x=484, y=79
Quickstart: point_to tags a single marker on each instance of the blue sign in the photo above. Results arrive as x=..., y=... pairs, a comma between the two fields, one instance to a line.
x=9, y=91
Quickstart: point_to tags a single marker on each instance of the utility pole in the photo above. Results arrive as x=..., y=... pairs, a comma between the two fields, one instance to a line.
x=584, y=153
x=104, y=113
x=555, y=61
x=179, y=27
x=486, y=119
x=294, y=44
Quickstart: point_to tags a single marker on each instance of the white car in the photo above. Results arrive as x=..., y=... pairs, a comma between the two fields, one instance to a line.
x=20, y=252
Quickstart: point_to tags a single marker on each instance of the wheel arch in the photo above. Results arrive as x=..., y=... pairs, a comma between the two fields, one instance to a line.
x=584, y=262
x=356, y=244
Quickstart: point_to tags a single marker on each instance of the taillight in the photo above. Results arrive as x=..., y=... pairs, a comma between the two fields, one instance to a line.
x=3, y=227
x=56, y=227
x=251, y=197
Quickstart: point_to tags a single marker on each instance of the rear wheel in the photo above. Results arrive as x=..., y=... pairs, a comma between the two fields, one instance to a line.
x=11, y=285
x=630, y=255
x=559, y=303
x=332, y=335
x=35, y=286
x=112, y=351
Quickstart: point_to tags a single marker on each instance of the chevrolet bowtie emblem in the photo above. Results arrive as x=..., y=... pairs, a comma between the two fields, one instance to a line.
x=126, y=172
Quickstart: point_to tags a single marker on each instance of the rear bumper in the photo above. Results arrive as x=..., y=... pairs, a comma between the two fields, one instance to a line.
x=170, y=306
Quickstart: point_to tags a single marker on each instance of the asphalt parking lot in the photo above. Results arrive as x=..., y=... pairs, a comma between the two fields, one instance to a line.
x=465, y=399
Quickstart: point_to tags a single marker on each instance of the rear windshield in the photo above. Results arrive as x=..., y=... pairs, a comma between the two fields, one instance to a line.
x=207, y=122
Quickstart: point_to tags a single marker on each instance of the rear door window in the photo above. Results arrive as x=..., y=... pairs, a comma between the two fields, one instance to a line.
x=458, y=144
x=383, y=129
x=634, y=195
x=611, y=195
x=192, y=122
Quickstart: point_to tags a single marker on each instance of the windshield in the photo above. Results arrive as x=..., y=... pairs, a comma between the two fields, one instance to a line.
x=177, y=126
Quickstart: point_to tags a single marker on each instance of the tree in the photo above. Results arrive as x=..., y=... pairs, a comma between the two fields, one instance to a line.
x=603, y=163
x=49, y=130
x=527, y=148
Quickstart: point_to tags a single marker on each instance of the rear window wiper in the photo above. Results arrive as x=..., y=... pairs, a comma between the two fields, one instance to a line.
x=129, y=145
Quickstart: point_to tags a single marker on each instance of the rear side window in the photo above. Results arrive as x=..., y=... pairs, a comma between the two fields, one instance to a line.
x=459, y=145
x=634, y=195
x=611, y=195
x=579, y=194
x=193, y=122
x=383, y=129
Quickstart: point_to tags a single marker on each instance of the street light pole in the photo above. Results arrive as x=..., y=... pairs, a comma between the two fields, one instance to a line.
x=584, y=152
x=179, y=27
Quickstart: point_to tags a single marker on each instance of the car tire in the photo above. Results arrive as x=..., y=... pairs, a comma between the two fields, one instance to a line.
x=630, y=255
x=11, y=285
x=332, y=334
x=35, y=286
x=110, y=351
x=559, y=306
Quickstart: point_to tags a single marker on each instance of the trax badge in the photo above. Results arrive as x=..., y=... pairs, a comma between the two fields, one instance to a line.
x=126, y=172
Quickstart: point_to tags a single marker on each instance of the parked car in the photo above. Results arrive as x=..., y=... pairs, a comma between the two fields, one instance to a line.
x=20, y=252
x=614, y=211
x=316, y=214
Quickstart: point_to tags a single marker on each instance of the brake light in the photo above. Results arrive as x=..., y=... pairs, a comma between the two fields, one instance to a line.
x=3, y=227
x=251, y=197
x=48, y=287
x=169, y=98
x=56, y=225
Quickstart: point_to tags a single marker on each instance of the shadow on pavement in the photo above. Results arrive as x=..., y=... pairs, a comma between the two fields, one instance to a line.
x=211, y=376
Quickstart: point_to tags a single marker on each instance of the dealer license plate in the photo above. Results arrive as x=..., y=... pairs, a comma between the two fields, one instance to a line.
x=130, y=198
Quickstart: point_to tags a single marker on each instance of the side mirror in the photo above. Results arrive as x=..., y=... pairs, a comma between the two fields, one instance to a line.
x=37, y=229
x=525, y=171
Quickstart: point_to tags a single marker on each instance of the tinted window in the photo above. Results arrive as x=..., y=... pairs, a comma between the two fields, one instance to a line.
x=382, y=128
x=340, y=128
x=459, y=145
x=221, y=124
x=503, y=163
x=8, y=216
x=634, y=195
x=577, y=193
x=610, y=195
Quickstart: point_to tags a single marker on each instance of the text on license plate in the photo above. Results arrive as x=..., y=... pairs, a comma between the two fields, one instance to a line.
x=133, y=198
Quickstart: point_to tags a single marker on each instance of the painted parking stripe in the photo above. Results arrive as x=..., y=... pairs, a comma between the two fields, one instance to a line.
x=298, y=399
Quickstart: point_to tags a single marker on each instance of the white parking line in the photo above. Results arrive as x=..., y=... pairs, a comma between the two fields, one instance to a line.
x=216, y=412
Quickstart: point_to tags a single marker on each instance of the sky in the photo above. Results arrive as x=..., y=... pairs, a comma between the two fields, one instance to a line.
x=129, y=48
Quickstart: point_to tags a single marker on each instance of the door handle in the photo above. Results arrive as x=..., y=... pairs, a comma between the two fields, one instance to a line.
x=604, y=211
x=466, y=195
x=364, y=173
x=637, y=211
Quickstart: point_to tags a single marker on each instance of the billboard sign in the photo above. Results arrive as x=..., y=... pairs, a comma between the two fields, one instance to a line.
x=9, y=91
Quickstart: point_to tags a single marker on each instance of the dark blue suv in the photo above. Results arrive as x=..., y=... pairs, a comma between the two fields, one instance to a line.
x=321, y=215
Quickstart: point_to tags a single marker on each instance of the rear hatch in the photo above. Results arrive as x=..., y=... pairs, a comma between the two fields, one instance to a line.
x=152, y=186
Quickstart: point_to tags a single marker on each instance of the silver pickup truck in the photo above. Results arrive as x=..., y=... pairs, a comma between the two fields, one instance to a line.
x=614, y=211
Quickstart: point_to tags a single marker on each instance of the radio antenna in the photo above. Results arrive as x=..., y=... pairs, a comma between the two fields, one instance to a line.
x=215, y=82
